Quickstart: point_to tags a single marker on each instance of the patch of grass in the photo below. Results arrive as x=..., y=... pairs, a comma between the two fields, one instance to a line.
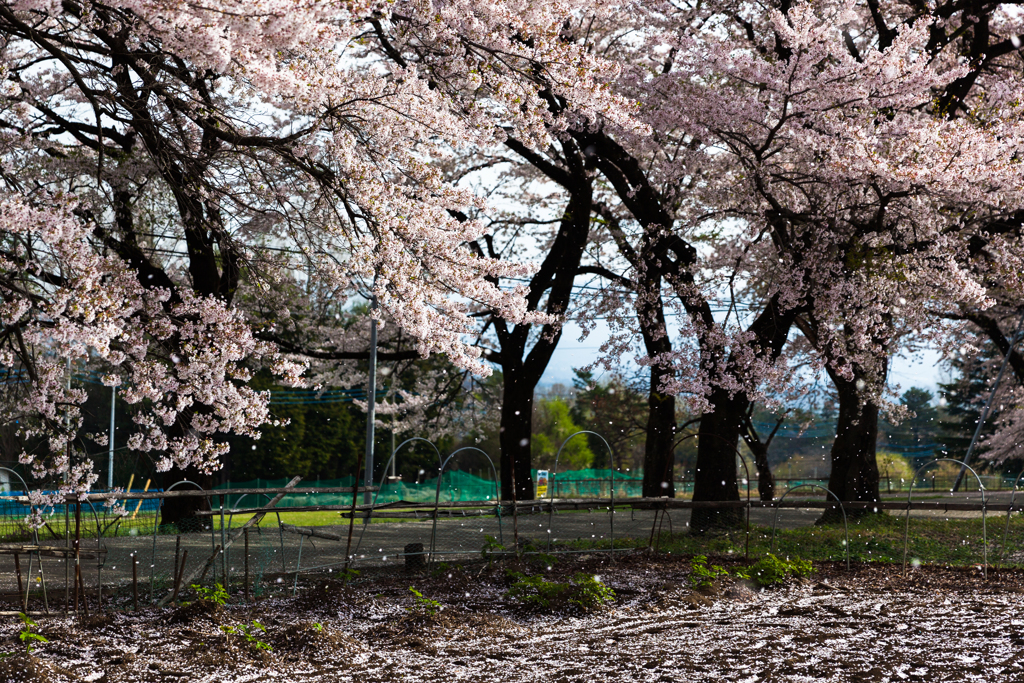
x=874, y=538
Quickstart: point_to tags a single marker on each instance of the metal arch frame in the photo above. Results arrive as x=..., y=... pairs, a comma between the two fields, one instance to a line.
x=437, y=495
x=35, y=541
x=553, y=482
x=846, y=527
x=280, y=530
x=156, y=528
x=394, y=453
x=20, y=478
x=24, y=484
x=984, y=502
x=1009, y=512
x=369, y=514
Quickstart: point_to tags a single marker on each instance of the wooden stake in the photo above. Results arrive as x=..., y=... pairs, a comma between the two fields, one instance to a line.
x=246, y=531
x=28, y=583
x=135, y=581
x=80, y=590
x=177, y=552
x=17, y=568
x=78, y=556
x=352, y=517
x=180, y=572
x=81, y=585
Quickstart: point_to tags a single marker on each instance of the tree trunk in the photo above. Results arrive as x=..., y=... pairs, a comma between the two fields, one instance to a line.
x=715, y=478
x=181, y=512
x=854, y=475
x=765, y=480
x=659, y=454
x=555, y=277
x=516, y=432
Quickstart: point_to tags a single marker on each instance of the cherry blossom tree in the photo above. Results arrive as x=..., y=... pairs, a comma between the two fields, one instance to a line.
x=855, y=203
x=274, y=139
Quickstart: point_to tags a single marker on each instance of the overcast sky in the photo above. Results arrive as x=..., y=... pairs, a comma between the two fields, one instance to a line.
x=918, y=370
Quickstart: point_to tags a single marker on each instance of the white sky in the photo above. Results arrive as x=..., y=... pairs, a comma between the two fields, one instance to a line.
x=921, y=369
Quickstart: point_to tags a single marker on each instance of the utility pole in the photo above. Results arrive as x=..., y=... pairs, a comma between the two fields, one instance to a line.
x=371, y=402
x=110, y=459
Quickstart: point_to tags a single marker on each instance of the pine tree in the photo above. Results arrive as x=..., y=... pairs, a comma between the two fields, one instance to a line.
x=965, y=398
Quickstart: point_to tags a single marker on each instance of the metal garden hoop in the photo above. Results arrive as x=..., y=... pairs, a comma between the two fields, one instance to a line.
x=554, y=484
x=984, y=502
x=35, y=541
x=846, y=528
x=1009, y=512
x=387, y=466
x=437, y=495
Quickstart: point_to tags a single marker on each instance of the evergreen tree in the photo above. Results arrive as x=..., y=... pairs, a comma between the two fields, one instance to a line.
x=965, y=398
x=616, y=411
x=913, y=435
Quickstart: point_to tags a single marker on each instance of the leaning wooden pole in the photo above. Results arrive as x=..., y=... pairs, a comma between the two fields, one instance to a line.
x=17, y=570
x=234, y=536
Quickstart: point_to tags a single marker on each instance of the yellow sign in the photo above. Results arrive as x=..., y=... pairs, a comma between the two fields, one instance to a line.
x=542, y=484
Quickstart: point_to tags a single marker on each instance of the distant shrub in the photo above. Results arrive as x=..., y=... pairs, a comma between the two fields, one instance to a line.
x=895, y=468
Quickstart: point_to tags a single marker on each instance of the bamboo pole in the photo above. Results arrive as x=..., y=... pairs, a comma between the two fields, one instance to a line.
x=139, y=504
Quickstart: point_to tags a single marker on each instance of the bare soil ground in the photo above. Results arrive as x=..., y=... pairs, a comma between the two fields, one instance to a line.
x=868, y=624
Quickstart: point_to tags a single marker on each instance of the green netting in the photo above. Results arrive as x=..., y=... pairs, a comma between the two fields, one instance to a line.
x=456, y=485
x=295, y=500
x=593, y=483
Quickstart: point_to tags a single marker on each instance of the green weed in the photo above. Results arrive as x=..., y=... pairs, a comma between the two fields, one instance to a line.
x=491, y=544
x=423, y=604
x=26, y=636
x=584, y=591
x=249, y=631
x=701, y=575
x=217, y=594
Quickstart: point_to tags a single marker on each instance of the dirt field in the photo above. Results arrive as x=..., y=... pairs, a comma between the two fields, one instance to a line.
x=870, y=624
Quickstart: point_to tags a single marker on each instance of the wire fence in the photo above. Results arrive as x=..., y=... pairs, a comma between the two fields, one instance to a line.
x=254, y=538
